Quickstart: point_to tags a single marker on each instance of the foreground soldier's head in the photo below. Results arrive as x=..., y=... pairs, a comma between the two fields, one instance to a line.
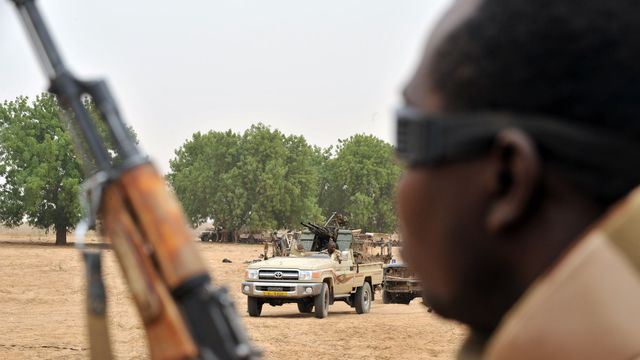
x=480, y=228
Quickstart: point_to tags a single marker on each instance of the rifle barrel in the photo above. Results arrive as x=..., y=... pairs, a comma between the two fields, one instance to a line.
x=71, y=91
x=62, y=82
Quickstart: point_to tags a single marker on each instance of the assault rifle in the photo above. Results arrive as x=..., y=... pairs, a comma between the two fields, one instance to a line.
x=184, y=315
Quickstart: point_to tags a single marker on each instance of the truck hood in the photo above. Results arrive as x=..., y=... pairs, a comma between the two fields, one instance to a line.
x=302, y=262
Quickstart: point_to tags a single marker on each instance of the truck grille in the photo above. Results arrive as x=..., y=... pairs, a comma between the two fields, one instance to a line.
x=275, y=288
x=278, y=274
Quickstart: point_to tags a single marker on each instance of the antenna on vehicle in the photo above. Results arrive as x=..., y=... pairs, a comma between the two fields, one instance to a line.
x=330, y=218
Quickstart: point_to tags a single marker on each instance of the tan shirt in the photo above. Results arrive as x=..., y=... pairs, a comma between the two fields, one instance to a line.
x=588, y=305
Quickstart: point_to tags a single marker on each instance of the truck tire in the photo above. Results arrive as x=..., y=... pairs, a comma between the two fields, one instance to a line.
x=305, y=306
x=321, y=302
x=254, y=306
x=404, y=299
x=387, y=297
x=363, y=298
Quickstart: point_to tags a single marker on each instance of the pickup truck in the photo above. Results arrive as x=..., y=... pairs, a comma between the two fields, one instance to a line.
x=400, y=285
x=312, y=279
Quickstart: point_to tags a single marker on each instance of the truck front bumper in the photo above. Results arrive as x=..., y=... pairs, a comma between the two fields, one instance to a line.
x=280, y=290
x=402, y=286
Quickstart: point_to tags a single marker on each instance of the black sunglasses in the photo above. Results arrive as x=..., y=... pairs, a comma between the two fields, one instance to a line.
x=429, y=139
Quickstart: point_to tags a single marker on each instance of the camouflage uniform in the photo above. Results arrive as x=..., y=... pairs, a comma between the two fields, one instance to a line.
x=587, y=306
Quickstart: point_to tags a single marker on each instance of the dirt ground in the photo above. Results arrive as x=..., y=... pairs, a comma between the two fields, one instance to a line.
x=42, y=311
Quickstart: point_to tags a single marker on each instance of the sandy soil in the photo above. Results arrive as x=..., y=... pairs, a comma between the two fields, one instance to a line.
x=42, y=312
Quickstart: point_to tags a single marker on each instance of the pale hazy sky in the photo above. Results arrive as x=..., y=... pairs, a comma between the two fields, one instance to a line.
x=323, y=69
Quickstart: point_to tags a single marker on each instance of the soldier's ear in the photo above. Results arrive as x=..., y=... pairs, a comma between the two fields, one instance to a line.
x=515, y=176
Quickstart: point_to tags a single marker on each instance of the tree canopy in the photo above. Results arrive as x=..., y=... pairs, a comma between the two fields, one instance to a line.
x=359, y=181
x=261, y=179
x=266, y=180
x=40, y=175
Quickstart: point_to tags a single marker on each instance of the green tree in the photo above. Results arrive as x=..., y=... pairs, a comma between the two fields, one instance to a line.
x=261, y=179
x=204, y=176
x=39, y=167
x=282, y=185
x=41, y=174
x=359, y=181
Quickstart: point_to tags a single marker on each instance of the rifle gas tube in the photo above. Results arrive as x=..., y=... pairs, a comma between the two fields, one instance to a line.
x=184, y=315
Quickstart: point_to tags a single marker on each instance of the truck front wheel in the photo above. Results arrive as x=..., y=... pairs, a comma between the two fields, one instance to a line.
x=305, y=306
x=386, y=297
x=404, y=299
x=321, y=302
x=363, y=298
x=254, y=306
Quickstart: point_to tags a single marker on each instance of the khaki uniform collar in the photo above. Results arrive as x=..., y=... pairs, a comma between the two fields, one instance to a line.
x=588, y=305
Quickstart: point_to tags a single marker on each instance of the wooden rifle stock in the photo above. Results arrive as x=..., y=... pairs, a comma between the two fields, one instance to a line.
x=124, y=223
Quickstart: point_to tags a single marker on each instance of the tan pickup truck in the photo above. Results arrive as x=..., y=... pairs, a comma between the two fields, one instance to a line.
x=312, y=279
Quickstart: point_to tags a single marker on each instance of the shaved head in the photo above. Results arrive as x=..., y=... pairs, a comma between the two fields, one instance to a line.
x=419, y=91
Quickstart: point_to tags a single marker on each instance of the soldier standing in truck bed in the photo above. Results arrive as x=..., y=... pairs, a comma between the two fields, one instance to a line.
x=333, y=253
x=518, y=209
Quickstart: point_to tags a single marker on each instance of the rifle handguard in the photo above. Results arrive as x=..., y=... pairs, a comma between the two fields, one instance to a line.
x=166, y=330
x=162, y=223
x=180, y=308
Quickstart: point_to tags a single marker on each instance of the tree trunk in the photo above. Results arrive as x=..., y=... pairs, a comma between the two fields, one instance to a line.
x=61, y=235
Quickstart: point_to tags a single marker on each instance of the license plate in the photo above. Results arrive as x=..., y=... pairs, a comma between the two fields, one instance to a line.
x=275, y=293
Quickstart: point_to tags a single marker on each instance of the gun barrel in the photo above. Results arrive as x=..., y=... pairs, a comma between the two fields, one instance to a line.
x=62, y=82
x=40, y=37
x=71, y=91
x=319, y=230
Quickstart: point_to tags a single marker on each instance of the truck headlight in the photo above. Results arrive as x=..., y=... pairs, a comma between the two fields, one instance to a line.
x=251, y=274
x=308, y=275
